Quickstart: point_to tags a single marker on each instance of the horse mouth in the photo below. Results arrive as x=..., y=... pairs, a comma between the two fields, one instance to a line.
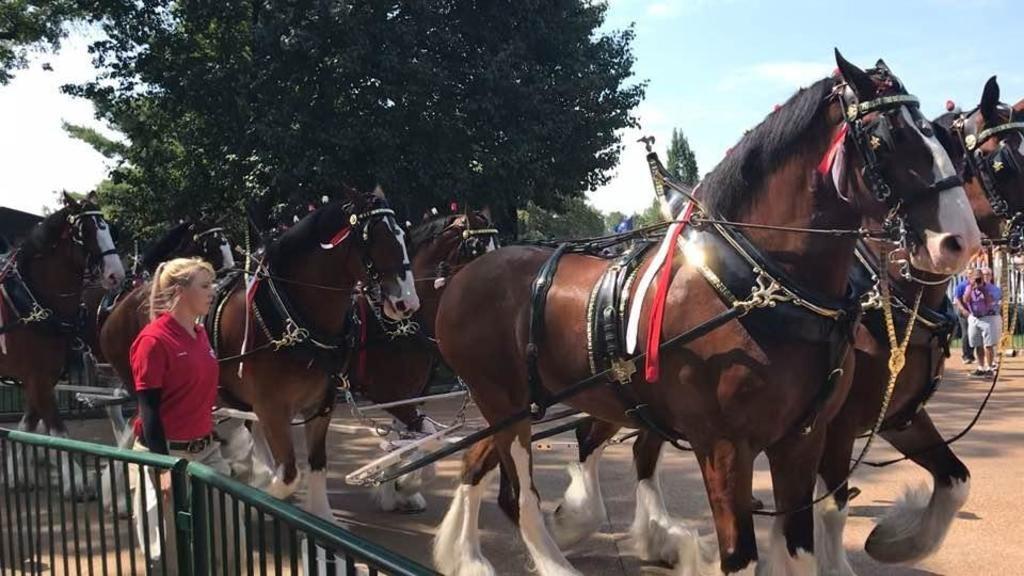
x=397, y=309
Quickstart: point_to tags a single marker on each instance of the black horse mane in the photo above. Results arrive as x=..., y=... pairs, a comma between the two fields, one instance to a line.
x=306, y=234
x=165, y=246
x=729, y=187
x=44, y=234
x=425, y=231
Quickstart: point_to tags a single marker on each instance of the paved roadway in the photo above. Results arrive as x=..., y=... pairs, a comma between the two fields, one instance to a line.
x=984, y=540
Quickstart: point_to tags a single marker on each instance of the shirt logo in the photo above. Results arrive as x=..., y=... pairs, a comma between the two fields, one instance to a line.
x=180, y=354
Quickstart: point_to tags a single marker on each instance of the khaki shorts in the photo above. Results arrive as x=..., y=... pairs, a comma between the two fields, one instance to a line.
x=148, y=532
x=984, y=331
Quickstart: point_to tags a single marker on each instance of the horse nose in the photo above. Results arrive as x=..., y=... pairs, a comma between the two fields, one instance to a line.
x=952, y=245
x=400, y=306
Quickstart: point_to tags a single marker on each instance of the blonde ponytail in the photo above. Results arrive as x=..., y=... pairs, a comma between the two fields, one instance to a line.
x=169, y=278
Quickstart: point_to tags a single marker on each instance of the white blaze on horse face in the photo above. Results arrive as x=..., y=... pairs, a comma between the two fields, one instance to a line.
x=227, y=258
x=491, y=245
x=113, y=269
x=406, y=283
x=948, y=249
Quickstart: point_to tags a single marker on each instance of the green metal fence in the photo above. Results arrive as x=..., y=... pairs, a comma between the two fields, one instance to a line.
x=65, y=508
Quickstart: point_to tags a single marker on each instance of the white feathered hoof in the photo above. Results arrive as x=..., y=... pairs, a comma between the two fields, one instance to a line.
x=698, y=555
x=916, y=525
x=283, y=490
x=581, y=511
x=456, y=549
x=390, y=499
x=662, y=539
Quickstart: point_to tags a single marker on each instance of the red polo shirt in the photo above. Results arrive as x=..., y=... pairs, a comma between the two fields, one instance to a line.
x=166, y=357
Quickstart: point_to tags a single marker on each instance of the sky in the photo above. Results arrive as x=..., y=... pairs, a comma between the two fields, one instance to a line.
x=714, y=69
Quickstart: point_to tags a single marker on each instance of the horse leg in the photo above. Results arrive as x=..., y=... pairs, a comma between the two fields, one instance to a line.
x=316, y=443
x=42, y=398
x=794, y=465
x=917, y=523
x=728, y=468
x=830, y=515
x=582, y=510
x=403, y=494
x=457, y=543
x=18, y=462
x=515, y=453
x=262, y=459
x=656, y=536
x=277, y=427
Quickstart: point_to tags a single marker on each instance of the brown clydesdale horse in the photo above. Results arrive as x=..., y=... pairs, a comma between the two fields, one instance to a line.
x=747, y=386
x=43, y=280
x=917, y=527
x=282, y=356
x=393, y=366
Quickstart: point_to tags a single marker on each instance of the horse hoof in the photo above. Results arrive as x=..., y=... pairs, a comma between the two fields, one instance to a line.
x=283, y=490
x=411, y=504
x=852, y=493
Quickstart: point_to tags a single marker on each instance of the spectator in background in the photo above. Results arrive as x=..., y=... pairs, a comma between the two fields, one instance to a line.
x=966, y=350
x=981, y=300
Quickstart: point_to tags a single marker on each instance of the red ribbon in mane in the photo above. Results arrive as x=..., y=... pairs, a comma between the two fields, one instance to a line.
x=830, y=155
x=652, y=368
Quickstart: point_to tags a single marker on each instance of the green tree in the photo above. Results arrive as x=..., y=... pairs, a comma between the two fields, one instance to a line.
x=681, y=161
x=650, y=216
x=612, y=219
x=497, y=104
x=27, y=25
x=577, y=219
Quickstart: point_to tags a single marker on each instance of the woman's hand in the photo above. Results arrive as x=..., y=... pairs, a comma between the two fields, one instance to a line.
x=164, y=480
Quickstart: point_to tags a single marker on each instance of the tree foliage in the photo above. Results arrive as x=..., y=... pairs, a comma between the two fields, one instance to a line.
x=681, y=161
x=27, y=25
x=577, y=219
x=497, y=103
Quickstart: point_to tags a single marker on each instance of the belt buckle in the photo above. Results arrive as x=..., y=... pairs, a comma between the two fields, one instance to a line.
x=196, y=446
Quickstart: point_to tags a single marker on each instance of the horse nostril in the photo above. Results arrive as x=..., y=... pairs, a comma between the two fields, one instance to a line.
x=400, y=305
x=952, y=244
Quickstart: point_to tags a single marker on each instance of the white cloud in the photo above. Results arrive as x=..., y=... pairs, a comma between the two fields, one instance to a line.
x=787, y=74
x=663, y=9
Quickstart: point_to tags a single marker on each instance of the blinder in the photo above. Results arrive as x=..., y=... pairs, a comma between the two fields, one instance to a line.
x=94, y=259
x=875, y=137
x=994, y=166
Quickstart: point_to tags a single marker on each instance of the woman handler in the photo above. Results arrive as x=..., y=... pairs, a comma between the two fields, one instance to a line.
x=176, y=374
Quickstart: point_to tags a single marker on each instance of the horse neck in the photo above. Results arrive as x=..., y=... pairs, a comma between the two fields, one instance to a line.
x=424, y=267
x=56, y=281
x=319, y=286
x=794, y=196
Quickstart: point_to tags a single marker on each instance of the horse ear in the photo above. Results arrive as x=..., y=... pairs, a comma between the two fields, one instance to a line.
x=91, y=196
x=68, y=200
x=486, y=213
x=990, y=100
x=862, y=84
x=378, y=192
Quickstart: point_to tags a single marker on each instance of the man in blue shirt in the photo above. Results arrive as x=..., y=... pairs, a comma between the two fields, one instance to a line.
x=966, y=351
x=981, y=299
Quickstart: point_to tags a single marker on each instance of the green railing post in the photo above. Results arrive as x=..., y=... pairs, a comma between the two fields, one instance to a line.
x=200, y=527
x=182, y=517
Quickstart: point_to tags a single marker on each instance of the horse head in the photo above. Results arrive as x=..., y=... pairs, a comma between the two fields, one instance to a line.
x=899, y=171
x=987, y=145
x=81, y=232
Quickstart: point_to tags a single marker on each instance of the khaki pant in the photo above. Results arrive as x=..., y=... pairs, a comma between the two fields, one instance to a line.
x=211, y=456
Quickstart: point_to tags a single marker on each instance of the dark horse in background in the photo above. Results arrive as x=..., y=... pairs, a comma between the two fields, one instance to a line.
x=284, y=339
x=915, y=528
x=43, y=281
x=394, y=360
x=754, y=385
x=396, y=367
